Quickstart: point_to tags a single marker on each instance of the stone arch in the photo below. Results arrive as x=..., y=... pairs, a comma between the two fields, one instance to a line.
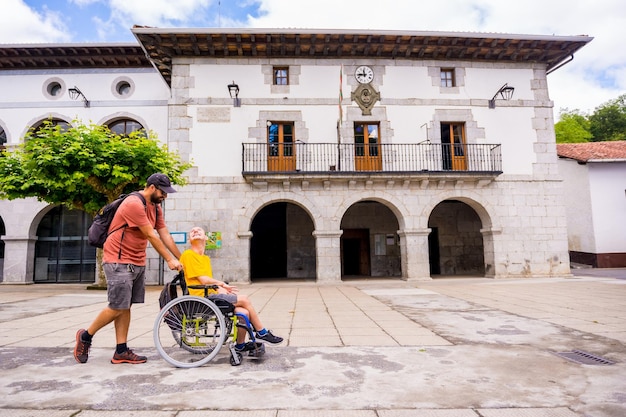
x=257, y=205
x=282, y=242
x=369, y=242
x=398, y=208
x=484, y=211
x=6, y=139
x=124, y=115
x=38, y=120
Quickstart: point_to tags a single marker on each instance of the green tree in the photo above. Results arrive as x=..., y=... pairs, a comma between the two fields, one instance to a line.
x=572, y=127
x=608, y=121
x=84, y=167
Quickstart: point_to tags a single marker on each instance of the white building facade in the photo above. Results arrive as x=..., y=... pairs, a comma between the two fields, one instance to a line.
x=594, y=178
x=326, y=155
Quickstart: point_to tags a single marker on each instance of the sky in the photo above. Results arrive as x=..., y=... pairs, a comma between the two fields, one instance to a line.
x=596, y=75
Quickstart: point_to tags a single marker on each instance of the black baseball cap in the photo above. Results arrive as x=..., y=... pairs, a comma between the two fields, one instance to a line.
x=162, y=182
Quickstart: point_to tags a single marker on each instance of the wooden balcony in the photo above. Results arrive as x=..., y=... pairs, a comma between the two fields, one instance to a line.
x=264, y=161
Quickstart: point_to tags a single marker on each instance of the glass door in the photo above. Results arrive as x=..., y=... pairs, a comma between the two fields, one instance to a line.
x=453, y=149
x=367, y=151
x=281, y=152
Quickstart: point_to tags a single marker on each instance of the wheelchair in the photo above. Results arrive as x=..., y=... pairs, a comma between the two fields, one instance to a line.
x=190, y=331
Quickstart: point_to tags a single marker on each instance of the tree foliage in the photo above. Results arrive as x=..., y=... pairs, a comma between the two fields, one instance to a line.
x=606, y=123
x=573, y=127
x=84, y=167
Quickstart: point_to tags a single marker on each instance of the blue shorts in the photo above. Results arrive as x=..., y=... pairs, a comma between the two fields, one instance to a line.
x=231, y=298
x=126, y=285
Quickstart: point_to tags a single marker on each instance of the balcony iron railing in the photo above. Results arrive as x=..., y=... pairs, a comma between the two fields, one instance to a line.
x=334, y=158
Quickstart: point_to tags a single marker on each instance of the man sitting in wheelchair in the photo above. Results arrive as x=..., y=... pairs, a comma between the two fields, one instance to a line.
x=198, y=271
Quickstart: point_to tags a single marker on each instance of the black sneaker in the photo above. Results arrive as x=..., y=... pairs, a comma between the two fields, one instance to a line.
x=128, y=357
x=269, y=337
x=81, y=350
x=246, y=347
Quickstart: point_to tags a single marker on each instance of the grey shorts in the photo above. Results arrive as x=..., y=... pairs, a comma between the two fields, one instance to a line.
x=231, y=298
x=125, y=285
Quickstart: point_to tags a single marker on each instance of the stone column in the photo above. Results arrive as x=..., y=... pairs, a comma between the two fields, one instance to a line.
x=328, y=259
x=19, y=260
x=491, y=267
x=414, y=253
x=243, y=270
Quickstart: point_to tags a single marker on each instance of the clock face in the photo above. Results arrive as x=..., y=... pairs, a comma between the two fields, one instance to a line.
x=364, y=74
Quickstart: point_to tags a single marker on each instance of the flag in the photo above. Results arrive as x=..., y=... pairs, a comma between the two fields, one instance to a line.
x=340, y=93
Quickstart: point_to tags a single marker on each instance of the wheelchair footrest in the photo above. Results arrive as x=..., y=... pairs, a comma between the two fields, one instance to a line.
x=259, y=351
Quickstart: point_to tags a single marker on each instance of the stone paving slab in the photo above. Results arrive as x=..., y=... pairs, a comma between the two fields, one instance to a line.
x=511, y=412
x=475, y=348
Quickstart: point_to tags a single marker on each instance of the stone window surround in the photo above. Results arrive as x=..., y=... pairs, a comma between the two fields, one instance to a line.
x=268, y=76
x=459, y=78
x=473, y=133
x=115, y=87
x=258, y=133
x=47, y=86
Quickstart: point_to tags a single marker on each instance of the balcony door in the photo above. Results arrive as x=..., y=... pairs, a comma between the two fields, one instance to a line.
x=367, y=151
x=453, y=149
x=281, y=152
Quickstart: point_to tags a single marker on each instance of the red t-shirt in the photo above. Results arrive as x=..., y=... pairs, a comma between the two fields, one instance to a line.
x=134, y=243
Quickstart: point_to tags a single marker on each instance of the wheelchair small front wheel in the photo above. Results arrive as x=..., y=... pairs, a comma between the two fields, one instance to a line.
x=236, y=361
x=189, y=331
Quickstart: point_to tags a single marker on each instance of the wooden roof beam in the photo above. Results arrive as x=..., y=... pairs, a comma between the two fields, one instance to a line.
x=225, y=45
x=209, y=41
x=239, y=46
x=194, y=44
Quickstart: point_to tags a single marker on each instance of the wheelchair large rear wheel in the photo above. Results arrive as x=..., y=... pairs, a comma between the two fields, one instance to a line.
x=189, y=331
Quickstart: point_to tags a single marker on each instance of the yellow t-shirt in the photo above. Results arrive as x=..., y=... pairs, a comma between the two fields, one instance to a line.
x=194, y=266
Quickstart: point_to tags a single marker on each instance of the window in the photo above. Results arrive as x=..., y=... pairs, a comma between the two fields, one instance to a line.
x=3, y=137
x=281, y=76
x=125, y=127
x=53, y=88
x=447, y=77
x=62, y=253
x=53, y=122
x=123, y=87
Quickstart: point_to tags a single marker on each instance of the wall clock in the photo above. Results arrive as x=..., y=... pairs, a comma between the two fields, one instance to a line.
x=364, y=74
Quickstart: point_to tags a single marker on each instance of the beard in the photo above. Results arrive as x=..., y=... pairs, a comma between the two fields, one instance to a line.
x=156, y=200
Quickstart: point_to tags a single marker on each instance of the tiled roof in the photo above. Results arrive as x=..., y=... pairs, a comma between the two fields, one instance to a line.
x=53, y=56
x=163, y=45
x=593, y=151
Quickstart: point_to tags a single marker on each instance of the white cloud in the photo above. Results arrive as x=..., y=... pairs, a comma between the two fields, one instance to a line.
x=21, y=24
x=596, y=75
x=82, y=3
x=161, y=13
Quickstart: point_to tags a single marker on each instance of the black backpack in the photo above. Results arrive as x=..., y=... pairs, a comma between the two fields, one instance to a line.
x=99, y=229
x=173, y=317
x=170, y=290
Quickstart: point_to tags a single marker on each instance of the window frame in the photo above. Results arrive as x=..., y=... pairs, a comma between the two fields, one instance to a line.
x=447, y=77
x=126, y=121
x=278, y=78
